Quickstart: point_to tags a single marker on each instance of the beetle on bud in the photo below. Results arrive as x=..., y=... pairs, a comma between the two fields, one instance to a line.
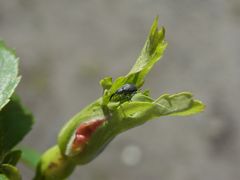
x=127, y=90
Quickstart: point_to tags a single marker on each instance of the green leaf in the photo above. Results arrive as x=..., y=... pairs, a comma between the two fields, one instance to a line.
x=196, y=107
x=9, y=78
x=106, y=83
x=10, y=171
x=15, y=123
x=181, y=104
x=142, y=97
x=174, y=105
x=30, y=156
x=136, y=113
x=12, y=157
x=152, y=51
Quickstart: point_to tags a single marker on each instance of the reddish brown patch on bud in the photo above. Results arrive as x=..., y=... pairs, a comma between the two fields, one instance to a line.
x=84, y=132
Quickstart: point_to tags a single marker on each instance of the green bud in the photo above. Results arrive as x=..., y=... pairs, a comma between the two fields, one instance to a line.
x=54, y=165
x=86, y=135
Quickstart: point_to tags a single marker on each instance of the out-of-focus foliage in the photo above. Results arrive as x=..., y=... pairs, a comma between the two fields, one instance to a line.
x=15, y=120
x=9, y=78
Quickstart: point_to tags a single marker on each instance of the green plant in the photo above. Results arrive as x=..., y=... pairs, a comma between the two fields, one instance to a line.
x=85, y=135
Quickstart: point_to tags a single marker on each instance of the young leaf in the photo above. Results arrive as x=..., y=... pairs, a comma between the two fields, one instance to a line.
x=152, y=51
x=181, y=104
x=9, y=78
x=12, y=157
x=106, y=83
x=15, y=123
x=136, y=112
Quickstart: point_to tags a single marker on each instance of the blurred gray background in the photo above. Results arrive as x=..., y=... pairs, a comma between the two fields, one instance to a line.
x=66, y=47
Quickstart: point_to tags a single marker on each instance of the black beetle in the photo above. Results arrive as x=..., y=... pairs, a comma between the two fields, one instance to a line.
x=126, y=89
